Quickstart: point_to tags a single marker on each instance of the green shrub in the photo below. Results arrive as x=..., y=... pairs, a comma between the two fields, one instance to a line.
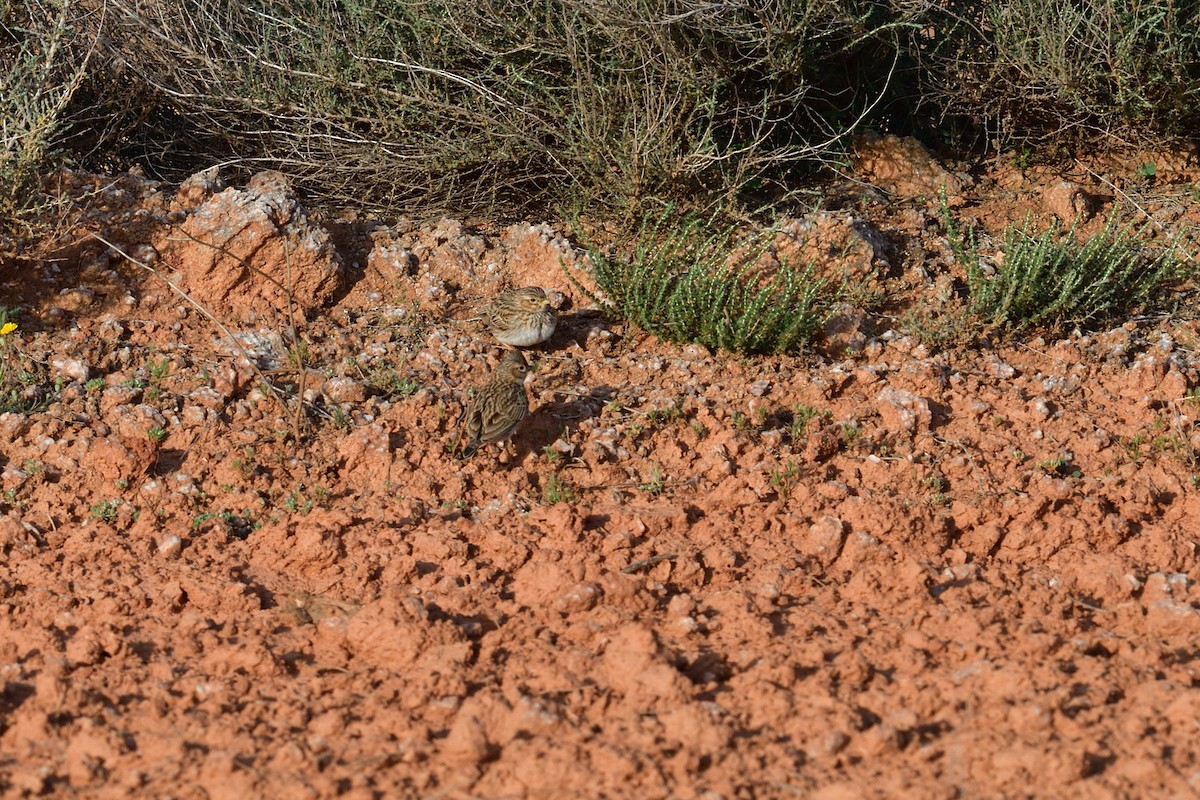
x=1064, y=72
x=687, y=280
x=509, y=107
x=497, y=105
x=41, y=67
x=1052, y=280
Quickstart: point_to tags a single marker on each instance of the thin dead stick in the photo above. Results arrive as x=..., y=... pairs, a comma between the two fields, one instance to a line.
x=207, y=314
x=637, y=485
x=225, y=252
x=648, y=562
x=1089, y=606
x=581, y=395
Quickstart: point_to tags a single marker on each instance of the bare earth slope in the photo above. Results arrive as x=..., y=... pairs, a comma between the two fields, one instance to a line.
x=874, y=571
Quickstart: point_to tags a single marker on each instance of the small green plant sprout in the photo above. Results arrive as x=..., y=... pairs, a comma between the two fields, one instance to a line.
x=557, y=490
x=1147, y=170
x=661, y=417
x=935, y=483
x=1167, y=440
x=16, y=401
x=247, y=462
x=157, y=433
x=654, y=485
x=1134, y=444
x=298, y=353
x=851, y=432
x=390, y=384
x=801, y=414
x=407, y=387
x=785, y=479
x=551, y=455
x=94, y=385
x=297, y=502
x=1060, y=466
x=700, y=429
x=159, y=370
x=105, y=510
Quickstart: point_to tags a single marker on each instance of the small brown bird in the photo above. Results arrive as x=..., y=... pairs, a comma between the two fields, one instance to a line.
x=498, y=407
x=520, y=317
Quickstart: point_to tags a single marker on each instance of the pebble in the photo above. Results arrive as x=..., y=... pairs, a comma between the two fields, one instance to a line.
x=344, y=390
x=1039, y=409
x=184, y=484
x=72, y=368
x=1001, y=369
x=170, y=546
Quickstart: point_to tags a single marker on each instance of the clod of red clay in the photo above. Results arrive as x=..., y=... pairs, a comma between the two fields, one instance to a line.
x=878, y=572
x=903, y=167
x=1068, y=201
x=251, y=251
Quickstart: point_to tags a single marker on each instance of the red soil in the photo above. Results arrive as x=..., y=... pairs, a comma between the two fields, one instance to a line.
x=971, y=572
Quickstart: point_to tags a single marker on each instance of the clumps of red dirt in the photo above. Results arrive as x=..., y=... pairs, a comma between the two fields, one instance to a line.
x=881, y=571
x=904, y=168
x=242, y=251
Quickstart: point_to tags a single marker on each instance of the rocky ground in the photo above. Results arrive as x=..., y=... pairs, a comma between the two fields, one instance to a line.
x=913, y=563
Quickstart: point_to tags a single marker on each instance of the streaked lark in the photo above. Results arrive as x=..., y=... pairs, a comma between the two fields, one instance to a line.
x=498, y=407
x=520, y=317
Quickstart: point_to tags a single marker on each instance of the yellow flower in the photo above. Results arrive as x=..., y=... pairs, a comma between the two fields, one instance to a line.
x=7, y=328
